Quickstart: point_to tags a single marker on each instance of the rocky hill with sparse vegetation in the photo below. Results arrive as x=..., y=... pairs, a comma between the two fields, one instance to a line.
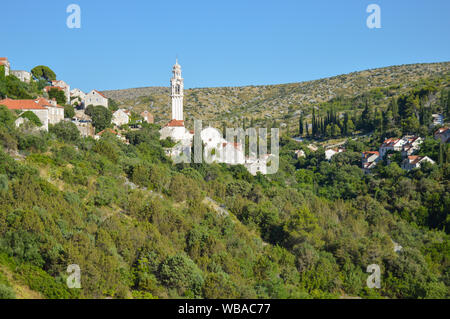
x=283, y=102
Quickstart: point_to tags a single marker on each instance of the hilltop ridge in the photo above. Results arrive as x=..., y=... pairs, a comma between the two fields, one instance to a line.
x=279, y=101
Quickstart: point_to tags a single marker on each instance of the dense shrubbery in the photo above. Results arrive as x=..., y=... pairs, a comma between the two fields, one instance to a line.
x=141, y=227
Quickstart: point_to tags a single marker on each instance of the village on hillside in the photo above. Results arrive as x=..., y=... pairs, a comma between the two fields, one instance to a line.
x=217, y=149
x=49, y=112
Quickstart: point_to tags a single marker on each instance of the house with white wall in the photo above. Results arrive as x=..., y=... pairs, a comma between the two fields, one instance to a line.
x=413, y=162
x=5, y=62
x=28, y=105
x=96, y=98
x=442, y=134
x=148, y=117
x=121, y=117
x=66, y=87
x=23, y=76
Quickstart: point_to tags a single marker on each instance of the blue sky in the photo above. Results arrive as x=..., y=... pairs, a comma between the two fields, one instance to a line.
x=133, y=43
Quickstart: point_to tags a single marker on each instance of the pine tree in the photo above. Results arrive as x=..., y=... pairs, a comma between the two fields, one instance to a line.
x=300, y=125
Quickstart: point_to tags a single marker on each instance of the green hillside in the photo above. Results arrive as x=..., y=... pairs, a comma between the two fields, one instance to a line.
x=140, y=227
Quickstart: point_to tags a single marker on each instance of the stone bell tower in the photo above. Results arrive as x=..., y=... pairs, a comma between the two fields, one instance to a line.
x=177, y=85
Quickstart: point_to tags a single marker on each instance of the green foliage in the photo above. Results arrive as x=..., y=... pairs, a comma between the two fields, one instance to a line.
x=7, y=292
x=58, y=95
x=69, y=111
x=181, y=272
x=7, y=118
x=101, y=117
x=32, y=118
x=43, y=72
x=66, y=131
x=141, y=227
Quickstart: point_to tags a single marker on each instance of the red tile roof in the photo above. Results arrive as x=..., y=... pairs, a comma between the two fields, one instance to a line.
x=441, y=130
x=109, y=131
x=22, y=104
x=44, y=102
x=100, y=93
x=48, y=88
x=175, y=123
x=390, y=141
x=413, y=159
x=38, y=104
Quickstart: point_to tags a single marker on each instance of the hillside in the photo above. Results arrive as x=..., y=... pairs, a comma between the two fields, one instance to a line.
x=280, y=102
x=141, y=227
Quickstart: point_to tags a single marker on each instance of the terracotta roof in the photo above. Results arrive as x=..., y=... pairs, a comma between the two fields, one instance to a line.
x=100, y=93
x=441, y=130
x=37, y=104
x=371, y=152
x=22, y=104
x=48, y=88
x=44, y=102
x=413, y=159
x=390, y=141
x=175, y=123
x=109, y=131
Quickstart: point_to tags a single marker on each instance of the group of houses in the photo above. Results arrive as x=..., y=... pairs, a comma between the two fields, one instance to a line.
x=49, y=112
x=23, y=76
x=407, y=145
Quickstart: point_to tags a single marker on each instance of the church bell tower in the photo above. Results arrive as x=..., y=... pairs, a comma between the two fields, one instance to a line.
x=177, y=85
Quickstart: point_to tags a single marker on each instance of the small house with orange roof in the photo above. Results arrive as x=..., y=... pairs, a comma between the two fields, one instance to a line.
x=414, y=161
x=35, y=106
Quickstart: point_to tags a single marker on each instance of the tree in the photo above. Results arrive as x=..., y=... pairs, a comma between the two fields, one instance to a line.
x=69, y=112
x=7, y=118
x=3, y=183
x=58, y=95
x=66, y=131
x=101, y=117
x=43, y=72
x=32, y=118
x=300, y=125
x=181, y=272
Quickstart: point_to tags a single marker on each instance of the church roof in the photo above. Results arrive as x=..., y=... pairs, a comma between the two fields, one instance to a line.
x=175, y=123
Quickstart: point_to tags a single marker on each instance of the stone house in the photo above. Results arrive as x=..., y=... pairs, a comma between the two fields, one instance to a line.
x=5, y=62
x=413, y=161
x=29, y=105
x=23, y=76
x=77, y=97
x=66, y=88
x=148, y=117
x=391, y=144
x=369, y=160
x=121, y=117
x=96, y=98
x=443, y=134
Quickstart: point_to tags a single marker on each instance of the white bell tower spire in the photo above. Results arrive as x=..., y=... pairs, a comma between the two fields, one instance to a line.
x=177, y=85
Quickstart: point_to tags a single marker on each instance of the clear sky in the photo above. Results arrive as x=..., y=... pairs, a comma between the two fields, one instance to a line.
x=133, y=43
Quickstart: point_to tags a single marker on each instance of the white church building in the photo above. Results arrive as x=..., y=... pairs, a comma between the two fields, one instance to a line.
x=216, y=148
